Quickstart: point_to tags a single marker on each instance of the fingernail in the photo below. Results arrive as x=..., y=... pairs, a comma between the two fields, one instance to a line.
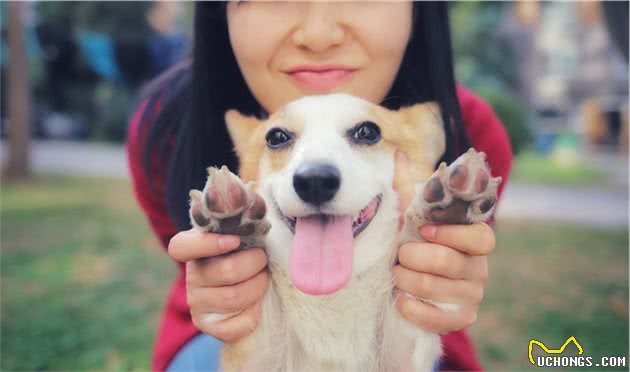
x=428, y=231
x=227, y=242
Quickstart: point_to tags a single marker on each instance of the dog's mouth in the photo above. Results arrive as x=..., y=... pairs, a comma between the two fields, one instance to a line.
x=322, y=248
x=359, y=223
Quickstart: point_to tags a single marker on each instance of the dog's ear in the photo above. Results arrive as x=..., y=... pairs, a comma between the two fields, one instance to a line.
x=425, y=120
x=241, y=129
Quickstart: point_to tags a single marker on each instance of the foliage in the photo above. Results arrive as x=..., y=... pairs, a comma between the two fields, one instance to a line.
x=485, y=65
x=112, y=108
x=121, y=19
x=513, y=116
x=97, y=106
x=480, y=57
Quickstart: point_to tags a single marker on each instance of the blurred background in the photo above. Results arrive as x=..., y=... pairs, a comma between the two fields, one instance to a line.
x=83, y=279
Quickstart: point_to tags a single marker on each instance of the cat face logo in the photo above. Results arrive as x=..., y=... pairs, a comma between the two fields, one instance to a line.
x=553, y=351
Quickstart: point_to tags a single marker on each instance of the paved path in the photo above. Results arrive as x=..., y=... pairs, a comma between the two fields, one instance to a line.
x=584, y=206
x=75, y=158
x=606, y=207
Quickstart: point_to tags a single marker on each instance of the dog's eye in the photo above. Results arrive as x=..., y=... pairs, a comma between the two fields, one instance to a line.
x=365, y=133
x=277, y=138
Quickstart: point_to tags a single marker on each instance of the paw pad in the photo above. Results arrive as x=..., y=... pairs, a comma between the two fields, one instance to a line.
x=463, y=192
x=433, y=191
x=228, y=206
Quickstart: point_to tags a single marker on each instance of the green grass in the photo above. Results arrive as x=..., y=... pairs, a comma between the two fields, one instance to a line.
x=533, y=168
x=550, y=282
x=83, y=281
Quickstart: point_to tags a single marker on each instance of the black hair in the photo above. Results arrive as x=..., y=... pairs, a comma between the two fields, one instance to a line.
x=193, y=97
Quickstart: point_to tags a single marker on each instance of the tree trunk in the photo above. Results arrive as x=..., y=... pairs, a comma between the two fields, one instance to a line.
x=18, y=99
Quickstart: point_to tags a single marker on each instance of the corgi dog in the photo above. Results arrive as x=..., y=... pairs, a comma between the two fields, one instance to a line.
x=315, y=190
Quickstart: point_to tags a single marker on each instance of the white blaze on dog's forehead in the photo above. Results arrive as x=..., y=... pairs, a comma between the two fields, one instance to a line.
x=330, y=111
x=322, y=125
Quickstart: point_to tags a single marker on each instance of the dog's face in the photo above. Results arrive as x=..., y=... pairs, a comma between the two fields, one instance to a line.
x=325, y=166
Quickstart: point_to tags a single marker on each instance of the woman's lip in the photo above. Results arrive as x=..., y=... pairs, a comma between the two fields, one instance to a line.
x=320, y=79
x=319, y=67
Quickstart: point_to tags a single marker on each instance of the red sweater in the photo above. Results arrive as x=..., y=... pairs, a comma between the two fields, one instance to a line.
x=486, y=134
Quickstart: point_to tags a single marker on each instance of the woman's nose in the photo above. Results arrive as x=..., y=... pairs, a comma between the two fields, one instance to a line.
x=319, y=27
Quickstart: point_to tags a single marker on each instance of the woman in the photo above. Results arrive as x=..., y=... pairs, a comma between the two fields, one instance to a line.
x=255, y=57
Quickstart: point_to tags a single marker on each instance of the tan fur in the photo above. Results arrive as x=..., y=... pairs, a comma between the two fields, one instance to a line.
x=234, y=354
x=248, y=136
x=417, y=132
x=277, y=159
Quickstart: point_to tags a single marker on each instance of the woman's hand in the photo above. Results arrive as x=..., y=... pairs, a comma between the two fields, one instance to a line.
x=219, y=282
x=451, y=267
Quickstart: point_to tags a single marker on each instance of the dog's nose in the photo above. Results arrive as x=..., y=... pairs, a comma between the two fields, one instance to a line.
x=316, y=183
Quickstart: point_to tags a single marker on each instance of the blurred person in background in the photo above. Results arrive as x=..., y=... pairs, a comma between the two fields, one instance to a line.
x=87, y=59
x=245, y=55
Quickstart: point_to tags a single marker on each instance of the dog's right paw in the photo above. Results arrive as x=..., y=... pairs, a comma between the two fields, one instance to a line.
x=228, y=206
x=461, y=193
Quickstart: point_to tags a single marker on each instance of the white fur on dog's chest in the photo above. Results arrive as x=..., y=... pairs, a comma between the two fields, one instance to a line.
x=338, y=330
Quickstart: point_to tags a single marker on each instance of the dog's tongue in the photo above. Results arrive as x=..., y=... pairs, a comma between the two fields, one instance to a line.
x=321, y=254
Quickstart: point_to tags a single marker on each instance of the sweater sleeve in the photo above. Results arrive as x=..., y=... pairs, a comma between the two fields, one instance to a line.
x=487, y=134
x=149, y=191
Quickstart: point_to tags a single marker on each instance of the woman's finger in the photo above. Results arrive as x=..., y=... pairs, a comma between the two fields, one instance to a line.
x=475, y=239
x=231, y=329
x=192, y=244
x=227, y=299
x=436, y=288
x=432, y=319
x=227, y=269
x=434, y=259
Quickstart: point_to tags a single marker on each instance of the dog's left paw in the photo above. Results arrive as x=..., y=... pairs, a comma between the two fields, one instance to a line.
x=461, y=193
x=228, y=206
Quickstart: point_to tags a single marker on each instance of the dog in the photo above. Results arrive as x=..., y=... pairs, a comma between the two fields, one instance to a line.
x=315, y=190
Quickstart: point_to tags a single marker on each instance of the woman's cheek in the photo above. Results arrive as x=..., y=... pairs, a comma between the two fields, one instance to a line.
x=256, y=32
x=379, y=34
